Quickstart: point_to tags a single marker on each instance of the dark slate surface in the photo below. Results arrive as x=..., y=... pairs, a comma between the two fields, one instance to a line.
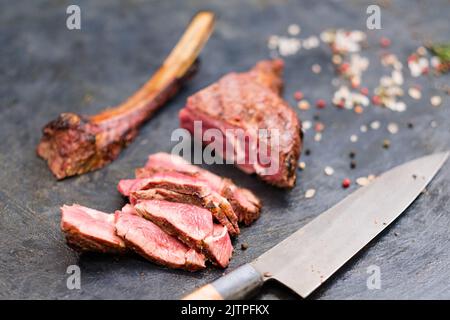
x=46, y=69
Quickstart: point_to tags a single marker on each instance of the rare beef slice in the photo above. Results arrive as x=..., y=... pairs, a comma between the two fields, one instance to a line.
x=192, y=225
x=90, y=230
x=185, y=189
x=151, y=242
x=244, y=203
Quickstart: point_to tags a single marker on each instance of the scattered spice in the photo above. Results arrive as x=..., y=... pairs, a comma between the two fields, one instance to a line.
x=358, y=109
x=307, y=152
x=319, y=127
x=375, y=125
x=442, y=57
x=386, y=144
x=244, y=246
x=298, y=95
x=303, y=105
x=346, y=183
x=321, y=104
x=392, y=128
x=318, y=137
x=415, y=93
x=436, y=101
x=306, y=125
x=376, y=100
x=302, y=165
x=352, y=154
x=294, y=29
x=352, y=164
x=362, y=181
x=310, y=193
x=363, y=128
x=329, y=171
x=410, y=125
x=385, y=42
x=345, y=99
x=316, y=68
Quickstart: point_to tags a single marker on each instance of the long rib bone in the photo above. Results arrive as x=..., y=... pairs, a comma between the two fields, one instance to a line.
x=73, y=144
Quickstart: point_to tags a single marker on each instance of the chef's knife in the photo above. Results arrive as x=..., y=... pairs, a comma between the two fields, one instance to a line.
x=307, y=258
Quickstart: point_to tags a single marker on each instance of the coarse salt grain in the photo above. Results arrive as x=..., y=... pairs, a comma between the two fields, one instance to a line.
x=303, y=105
x=294, y=29
x=318, y=137
x=392, y=128
x=363, y=181
x=436, y=101
x=328, y=170
x=316, y=68
x=306, y=125
x=414, y=93
x=353, y=138
x=302, y=165
x=363, y=128
x=375, y=125
x=310, y=193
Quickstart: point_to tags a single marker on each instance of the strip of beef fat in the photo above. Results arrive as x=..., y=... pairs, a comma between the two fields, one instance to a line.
x=250, y=102
x=192, y=225
x=245, y=204
x=185, y=189
x=90, y=230
x=151, y=242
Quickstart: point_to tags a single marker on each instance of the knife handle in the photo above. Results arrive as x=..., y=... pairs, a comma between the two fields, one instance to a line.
x=238, y=284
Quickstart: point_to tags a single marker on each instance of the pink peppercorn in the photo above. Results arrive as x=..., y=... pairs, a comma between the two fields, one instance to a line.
x=346, y=183
x=365, y=91
x=376, y=100
x=385, y=42
x=298, y=95
x=321, y=103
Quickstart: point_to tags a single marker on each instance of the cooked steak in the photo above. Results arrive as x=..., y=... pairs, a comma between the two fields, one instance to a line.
x=251, y=102
x=74, y=144
x=192, y=225
x=90, y=230
x=148, y=240
x=245, y=204
x=185, y=189
x=217, y=205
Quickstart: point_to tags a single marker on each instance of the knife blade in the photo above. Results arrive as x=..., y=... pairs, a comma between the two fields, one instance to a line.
x=308, y=257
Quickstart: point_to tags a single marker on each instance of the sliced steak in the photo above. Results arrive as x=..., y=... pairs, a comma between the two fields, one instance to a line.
x=90, y=230
x=245, y=204
x=250, y=102
x=148, y=240
x=186, y=189
x=192, y=225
